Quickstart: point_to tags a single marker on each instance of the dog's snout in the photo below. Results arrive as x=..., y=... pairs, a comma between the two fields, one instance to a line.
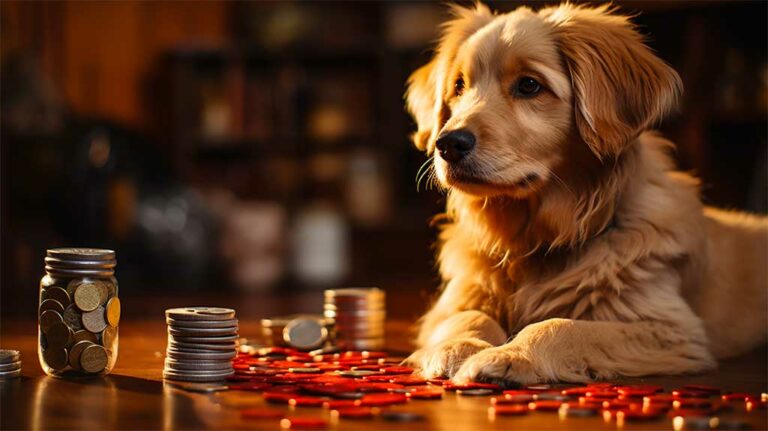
x=454, y=145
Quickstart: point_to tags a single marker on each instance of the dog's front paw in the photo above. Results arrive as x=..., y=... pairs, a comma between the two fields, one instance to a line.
x=445, y=358
x=502, y=365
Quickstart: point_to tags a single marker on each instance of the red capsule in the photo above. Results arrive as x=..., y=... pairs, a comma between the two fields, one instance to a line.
x=353, y=412
x=306, y=401
x=688, y=393
x=513, y=399
x=339, y=404
x=396, y=370
x=737, y=396
x=582, y=390
x=377, y=378
x=408, y=380
x=376, y=400
x=277, y=397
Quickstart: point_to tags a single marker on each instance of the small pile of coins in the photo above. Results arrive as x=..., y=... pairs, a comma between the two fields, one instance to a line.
x=201, y=344
x=359, y=315
x=300, y=331
x=10, y=364
x=370, y=385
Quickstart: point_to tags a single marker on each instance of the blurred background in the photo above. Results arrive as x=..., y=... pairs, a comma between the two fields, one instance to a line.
x=262, y=149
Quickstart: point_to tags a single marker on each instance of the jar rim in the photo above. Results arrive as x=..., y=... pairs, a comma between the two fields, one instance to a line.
x=81, y=254
x=70, y=272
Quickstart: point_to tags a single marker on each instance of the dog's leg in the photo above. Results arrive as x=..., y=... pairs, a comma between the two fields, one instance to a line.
x=580, y=351
x=448, y=343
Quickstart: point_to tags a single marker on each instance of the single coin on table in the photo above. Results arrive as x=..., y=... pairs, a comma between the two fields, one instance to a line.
x=73, y=318
x=93, y=359
x=200, y=313
x=305, y=334
x=59, y=335
x=113, y=311
x=94, y=320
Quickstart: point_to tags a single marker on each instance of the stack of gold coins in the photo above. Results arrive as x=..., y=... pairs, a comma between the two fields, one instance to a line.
x=201, y=344
x=300, y=331
x=359, y=315
x=10, y=364
x=79, y=312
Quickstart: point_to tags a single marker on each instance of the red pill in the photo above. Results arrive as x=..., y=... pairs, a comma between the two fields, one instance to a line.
x=376, y=400
x=353, y=412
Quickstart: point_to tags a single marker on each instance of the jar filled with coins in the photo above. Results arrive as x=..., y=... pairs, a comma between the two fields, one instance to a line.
x=79, y=313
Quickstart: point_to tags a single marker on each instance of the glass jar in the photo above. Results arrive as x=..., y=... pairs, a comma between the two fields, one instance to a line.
x=79, y=313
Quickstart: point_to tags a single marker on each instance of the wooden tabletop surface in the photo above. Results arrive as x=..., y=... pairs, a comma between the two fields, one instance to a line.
x=135, y=397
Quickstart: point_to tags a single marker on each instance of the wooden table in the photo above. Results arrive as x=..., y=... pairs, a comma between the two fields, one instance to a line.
x=135, y=397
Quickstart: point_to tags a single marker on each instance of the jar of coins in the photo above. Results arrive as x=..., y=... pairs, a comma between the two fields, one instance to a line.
x=79, y=313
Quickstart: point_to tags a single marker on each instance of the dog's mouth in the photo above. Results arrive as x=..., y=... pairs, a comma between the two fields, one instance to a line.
x=472, y=182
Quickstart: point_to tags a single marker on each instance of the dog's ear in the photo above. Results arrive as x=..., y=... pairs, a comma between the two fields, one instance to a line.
x=620, y=87
x=422, y=100
x=426, y=86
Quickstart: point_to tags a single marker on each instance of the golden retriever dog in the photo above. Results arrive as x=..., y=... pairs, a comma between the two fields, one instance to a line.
x=571, y=249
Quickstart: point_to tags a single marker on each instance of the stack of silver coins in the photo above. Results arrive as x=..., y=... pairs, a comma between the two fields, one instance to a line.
x=201, y=344
x=10, y=364
x=359, y=314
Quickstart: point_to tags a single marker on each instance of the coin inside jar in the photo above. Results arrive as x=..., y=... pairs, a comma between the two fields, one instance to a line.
x=59, y=335
x=58, y=294
x=94, y=320
x=51, y=304
x=48, y=319
x=113, y=311
x=75, y=352
x=55, y=358
x=83, y=335
x=88, y=295
x=93, y=359
x=72, y=318
x=108, y=337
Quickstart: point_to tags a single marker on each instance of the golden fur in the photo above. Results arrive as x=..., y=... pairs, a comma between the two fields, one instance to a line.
x=571, y=249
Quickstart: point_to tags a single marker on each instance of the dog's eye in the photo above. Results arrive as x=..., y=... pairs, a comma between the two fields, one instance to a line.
x=459, y=86
x=527, y=87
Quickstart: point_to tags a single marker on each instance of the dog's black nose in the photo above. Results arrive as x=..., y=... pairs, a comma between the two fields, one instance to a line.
x=454, y=145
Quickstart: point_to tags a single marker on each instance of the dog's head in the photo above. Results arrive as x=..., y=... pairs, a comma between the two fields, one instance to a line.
x=505, y=95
